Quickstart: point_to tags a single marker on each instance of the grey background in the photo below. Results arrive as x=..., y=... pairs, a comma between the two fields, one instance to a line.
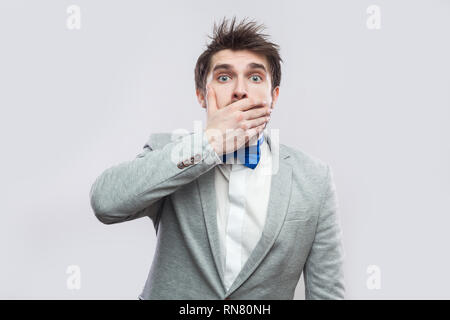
x=374, y=104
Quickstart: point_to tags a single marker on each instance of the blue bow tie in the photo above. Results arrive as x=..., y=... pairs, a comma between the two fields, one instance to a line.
x=248, y=156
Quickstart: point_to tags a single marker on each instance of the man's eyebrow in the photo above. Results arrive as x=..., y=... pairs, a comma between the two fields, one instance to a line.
x=257, y=66
x=222, y=66
x=252, y=65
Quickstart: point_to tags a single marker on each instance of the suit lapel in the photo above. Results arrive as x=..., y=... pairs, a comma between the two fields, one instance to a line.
x=208, y=199
x=276, y=212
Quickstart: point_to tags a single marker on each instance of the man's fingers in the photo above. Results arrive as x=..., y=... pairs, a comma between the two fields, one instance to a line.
x=256, y=113
x=211, y=107
x=247, y=104
x=255, y=122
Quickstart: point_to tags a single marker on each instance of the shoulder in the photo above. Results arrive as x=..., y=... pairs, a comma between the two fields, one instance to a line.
x=158, y=140
x=308, y=169
x=305, y=160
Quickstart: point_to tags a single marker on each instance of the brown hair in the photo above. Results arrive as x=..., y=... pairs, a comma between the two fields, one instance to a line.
x=244, y=36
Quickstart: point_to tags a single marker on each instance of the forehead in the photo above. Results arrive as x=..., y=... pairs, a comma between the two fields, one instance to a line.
x=238, y=59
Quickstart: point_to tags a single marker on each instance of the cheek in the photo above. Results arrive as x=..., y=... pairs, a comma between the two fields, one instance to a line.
x=260, y=90
x=261, y=94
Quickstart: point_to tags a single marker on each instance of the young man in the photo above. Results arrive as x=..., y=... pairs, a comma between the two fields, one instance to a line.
x=242, y=216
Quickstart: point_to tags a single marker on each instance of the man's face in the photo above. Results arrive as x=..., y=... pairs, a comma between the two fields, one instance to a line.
x=235, y=75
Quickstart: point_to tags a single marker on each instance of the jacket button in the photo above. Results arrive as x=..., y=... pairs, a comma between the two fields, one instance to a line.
x=180, y=165
x=192, y=160
x=187, y=162
x=197, y=157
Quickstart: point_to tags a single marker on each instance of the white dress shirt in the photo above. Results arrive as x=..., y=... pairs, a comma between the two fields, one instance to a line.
x=242, y=196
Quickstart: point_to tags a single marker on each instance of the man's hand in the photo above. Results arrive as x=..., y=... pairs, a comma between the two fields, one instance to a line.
x=229, y=128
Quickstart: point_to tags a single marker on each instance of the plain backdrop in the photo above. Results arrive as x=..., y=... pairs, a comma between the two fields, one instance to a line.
x=372, y=103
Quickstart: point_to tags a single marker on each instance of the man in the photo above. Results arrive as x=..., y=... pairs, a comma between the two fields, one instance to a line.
x=242, y=216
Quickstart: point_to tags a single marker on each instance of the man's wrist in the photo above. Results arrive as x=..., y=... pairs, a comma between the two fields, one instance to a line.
x=211, y=143
x=214, y=141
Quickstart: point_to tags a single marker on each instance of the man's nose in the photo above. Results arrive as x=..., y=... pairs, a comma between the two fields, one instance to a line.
x=240, y=91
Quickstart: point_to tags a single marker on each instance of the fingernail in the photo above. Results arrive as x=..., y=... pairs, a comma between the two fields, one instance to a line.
x=270, y=111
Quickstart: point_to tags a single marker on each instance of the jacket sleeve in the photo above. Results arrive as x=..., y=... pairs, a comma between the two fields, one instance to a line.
x=323, y=270
x=134, y=189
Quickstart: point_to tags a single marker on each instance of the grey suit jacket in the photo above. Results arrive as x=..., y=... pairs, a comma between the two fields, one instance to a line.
x=176, y=191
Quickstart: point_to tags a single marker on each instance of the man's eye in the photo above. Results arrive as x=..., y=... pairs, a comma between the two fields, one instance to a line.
x=257, y=77
x=221, y=77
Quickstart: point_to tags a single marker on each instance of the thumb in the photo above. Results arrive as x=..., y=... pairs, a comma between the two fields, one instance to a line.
x=211, y=106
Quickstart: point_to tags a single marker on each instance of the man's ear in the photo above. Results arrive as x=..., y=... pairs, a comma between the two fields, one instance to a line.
x=201, y=98
x=275, y=94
